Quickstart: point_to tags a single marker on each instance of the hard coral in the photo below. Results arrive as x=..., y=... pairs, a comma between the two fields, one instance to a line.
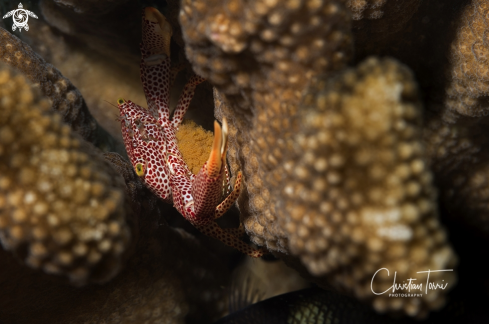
x=62, y=207
x=369, y=9
x=65, y=98
x=351, y=195
x=247, y=48
x=259, y=55
x=98, y=78
x=298, y=198
x=61, y=210
x=108, y=27
x=375, y=19
x=396, y=11
x=356, y=194
x=170, y=278
x=254, y=202
x=459, y=158
x=260, y=62
x=469, y=69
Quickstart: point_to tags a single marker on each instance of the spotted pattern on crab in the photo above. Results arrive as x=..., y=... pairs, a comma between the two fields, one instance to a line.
x=136, y=124
x=212, y=229
x=229, y=236
x=238, y=232
x=230, y=199
x=149, y=137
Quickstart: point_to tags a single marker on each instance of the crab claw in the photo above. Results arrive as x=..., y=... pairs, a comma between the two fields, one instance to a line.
x=217, y=157
x=207, y=187
x=157, y=34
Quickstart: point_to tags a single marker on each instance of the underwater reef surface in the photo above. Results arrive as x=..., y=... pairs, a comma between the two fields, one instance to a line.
x=359, y=127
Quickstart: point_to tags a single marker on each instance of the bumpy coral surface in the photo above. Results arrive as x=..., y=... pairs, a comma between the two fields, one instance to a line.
x=254, y=202
x=65, y=98
x=170, y=278
x=458, y=155
x=376, y=9
x=261, y=56
x=249, y=47
x=61, y=204
x=283, y=46
x=369, y=9
x=375, y=19
x=469, y=70
x=357, y=190
x=98, y=78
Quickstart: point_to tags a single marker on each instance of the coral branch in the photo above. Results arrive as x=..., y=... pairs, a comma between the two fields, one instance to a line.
x=65, y=98
x=62, y=206
x=469, y=71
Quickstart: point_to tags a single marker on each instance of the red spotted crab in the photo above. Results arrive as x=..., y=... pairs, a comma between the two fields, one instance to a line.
x=149, y=137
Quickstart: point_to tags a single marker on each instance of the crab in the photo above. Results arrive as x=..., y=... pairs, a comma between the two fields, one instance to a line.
x=149, y=137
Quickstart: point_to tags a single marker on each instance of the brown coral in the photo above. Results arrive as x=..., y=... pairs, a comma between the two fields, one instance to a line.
x=469, y=55
x=375, y=19
x=350, y=195
x=65, y=98
x=260, y=66
x=109, y=27
x=254, y=202
x=101, y=80
x=369, y=9
x=456, y=136
x=459, y=157
x=170, y=279
x=290, y=204
x=61, y=204
x=245, y=48
x=81, y=232
x=397, y=11
x=358, y=196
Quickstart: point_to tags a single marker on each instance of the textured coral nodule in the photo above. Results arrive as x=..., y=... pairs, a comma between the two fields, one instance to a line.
x=358, y=195
x=61, y=204
x=460, y=163
x=283, y=45
x=64, y=97
x=248, y=47
x=369, y=9
x=468, y=88
x=374, y=20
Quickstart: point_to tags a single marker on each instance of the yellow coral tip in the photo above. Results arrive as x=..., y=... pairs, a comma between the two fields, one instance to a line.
x=120, y=101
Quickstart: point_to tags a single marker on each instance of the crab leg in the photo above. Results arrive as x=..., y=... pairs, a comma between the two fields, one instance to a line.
x=207, y=186
x=226, y=187
x=185, y=98
x=155, y=64
x=238, y=231
x=230, y=200
x=151, y=143
x=213, y=230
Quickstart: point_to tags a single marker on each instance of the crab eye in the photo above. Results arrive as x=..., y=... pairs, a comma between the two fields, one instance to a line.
x=120, y=101
x=140, y=169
